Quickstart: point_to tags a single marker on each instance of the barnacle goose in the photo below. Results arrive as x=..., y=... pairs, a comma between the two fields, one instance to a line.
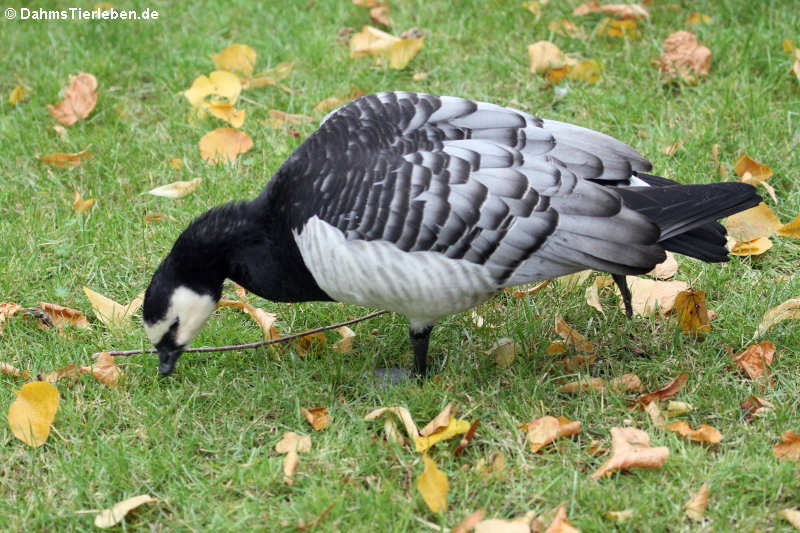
x=428, y=205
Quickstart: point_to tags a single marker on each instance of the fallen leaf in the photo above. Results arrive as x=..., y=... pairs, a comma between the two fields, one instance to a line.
x=748, y=225
x=791, y=515
x=545, y=56
x=32, y=413
x=62, y=132
x=453, y=428
x=467, y=438
x=292, y=441
x=620, y=516
x=624, y=29
x=587, y=70
x=104, y=369
x=788, y=449
x=785, y=311
x=219, y=87
x=432, y=484
x=61, y=159
x=649, y=295
x=746, y=165
x=469, y=522
x=226, y=112
x=318, y=417
x=592, y=293
x=279, y=119
x=697, y=18
x=329, y=104
x=62, y=316
x=756, y=359
x=345, y=344
x=666, y=269
x=18, y=95
x=7, y=309
x=439, y=422
x=792, y=229
x=684, y=57
x=572, y=337
x=176, y=163
x=495, y=469
x=703, y=433
x=177, y=189
x=385, y=47
x=542, y=431
x=503, y=352
x=239, y=59
x=560, y=524
x=79, y=205
x=523, y=292
x=401, y=413
x=498, y=525
x=678, y=408
x=755, y=247
x=574, y=363
x=621, y=11
x=566, y=27
x=111, y=517
x=692, y=313
x=264, y=319
x=654, y=412
x=380, y=15
x=755, y=406
x=557, y=348
x=666, y=392
x=671, y=149
x=312, y=341
x=80, y=98
x=696, y=506
x=223, y=144
x=12, y=371
x=630, y=448
x=624, y=383
x=109, y=312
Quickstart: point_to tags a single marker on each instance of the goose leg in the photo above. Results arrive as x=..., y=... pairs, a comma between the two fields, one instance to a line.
x=420, y=340
x=626, y=293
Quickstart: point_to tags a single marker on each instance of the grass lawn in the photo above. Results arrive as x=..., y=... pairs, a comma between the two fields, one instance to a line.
x=203, y=440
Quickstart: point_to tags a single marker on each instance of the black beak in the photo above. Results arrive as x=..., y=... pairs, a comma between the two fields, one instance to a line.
x=167, y=360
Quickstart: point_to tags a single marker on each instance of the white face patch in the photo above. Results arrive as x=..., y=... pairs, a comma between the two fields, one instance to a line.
x=191, y=309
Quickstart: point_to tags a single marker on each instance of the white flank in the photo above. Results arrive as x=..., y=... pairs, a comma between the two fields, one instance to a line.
x=190, y=308
x=423, y=286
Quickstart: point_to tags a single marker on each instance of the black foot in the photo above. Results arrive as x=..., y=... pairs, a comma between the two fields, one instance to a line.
x=626, y=293
x=420, y=340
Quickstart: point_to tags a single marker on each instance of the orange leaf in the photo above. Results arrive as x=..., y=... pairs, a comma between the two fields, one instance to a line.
x=469, y=522
x=697, y=18
x=572, y=337
x=104, y=370
x=313, y=341
x=703, y=433
x=625, y=29
x=756, y=359
x=792, y=229
x=224, y=144
x=542, y=431
x=788, y=449
x=80, y=97
x=696, y=506
x=683, y=56
x=630, y=448
x=692, y=313
x=63, y=316
x=61, y=159
x=748, y=225
x=79, y=205
x=745, y=165
x=755, y=247
x=666, y=392
x=318, y=417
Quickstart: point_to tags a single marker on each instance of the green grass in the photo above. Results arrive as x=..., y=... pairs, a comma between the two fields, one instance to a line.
x=203, y=440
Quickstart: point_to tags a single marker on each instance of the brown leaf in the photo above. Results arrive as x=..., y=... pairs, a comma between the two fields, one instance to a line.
x=665, y=269
x=80, y=97
x=621, y=11
x=788, y=449
x=104, y=370
x=12, y=371
x=302, y=526
x=649, y=295
x=748, y=225
x=542, y=431
x=439, y=422
x=503, y=351
x=279, y=119
x=291, y=441
x=469, y=522
x=696, y=506
x=560, y=524
x=666, y=392
x=523, y=291
x=745, y=165
x=223, y=144
x=624, y=383
x=556, y=348
x=111, y=517
x=703, y=433
x=61, y=159
x=572, y=337
x=754, y=406
x=345, y=344
x=318, y=417
x=380, y=15
x=630, y=448
x=264, y=319
x=79, y=205
x=432, y=484
x=63, y=316
x=467, y=438
x=654, y=412
x=671, y=149
x=756, y=359
x=792, y=515
x=684, y=57
x=7, y=309
x=692, y=313
x=755, y=247
x=313, y=341
x=573, y=363
x=498, y=525
x=785, y=311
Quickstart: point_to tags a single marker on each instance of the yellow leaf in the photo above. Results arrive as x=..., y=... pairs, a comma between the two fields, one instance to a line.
x=32, y=413
x=703, y=433
x=697, y=18
x=177, y=189
x=630, y=448
x=620, y=516
x=60, y=159
x=281, y=70
x=176, y=163
x=692, y=313
x=108, y=311
x=111, y=517
x=439, y=422
x=219, y=87
x=455, y=427
x=792, y=229
x=678, y=408
x=80, y=98
x=237, y=58
x=785, y=311
x=545, y=56
x=587, y=70
x=318, y=417
x=18, y=94
x=625, y=29
x=79, y=205
x=228, y=113
x=696, y=506
x=503, y=351
x=754, y=247
x=371, y=41
x=432, y=484
x=223, y=144
x=403, y=51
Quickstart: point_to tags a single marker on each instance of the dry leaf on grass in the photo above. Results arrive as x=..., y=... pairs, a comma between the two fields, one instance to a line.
x=666, y=269
x=678, y=408
x=432, y=484
x=498, y=525
x=566, y=27
x=104, y=370
x=696, y=19
x=630, y=448
x=494, y=469
x=755, y=406
x=7, y=309
x=380, y=15
x=703, y=433
x=345, y=344
x=790, y=229
x=648, y=295
x=80, y=97
x=111, y=517
x=756, y=359
x=542, y=431
x=671, y=149
x=624, y=383
x=525, y=290
x=453, y=428
x=176, y=189
x=79, y=205
x=62, y=316
x=439, y=422
x=592, y=293
x=621, y=11
x=656, y=417
x=61, y=159
x=401, y=413
x=318, y=417
x=690, y=307
x=503, y=351
x=792, y=515
x=666, y=392
x=683, y=56
x=754, y=173
x=292, y=444
x=546, y=58
x=18, y=95
x=12, y=371
x=753, y=223
x=109, y=312
x=271, y=77
x=32, y=413
x=223, y=144
x=788, y=449
x=264, y=319
x=398, y=52
x=239, y=59
x=560, y=524
x=219, y=87
x=785, y=311
x=755, y=247
x=696, y=506
x=467, y=438
x=572, y=337
x=619, y=516
x=469, y=522
x=624, y=29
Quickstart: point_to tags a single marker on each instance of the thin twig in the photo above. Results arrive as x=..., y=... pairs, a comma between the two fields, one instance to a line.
x=260, y=343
